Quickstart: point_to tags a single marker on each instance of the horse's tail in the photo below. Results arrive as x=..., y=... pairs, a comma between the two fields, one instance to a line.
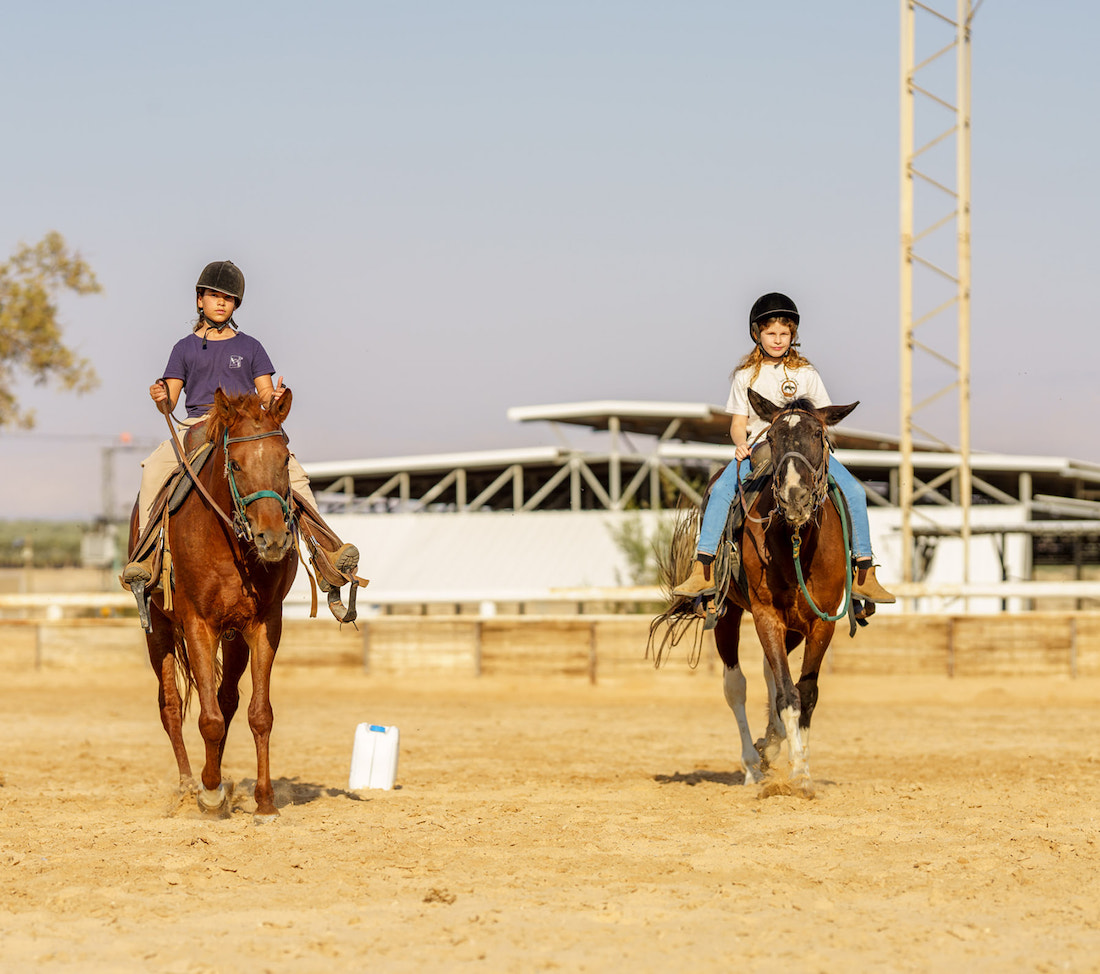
x=185, y=677
x=669, y=627
x=681, y=614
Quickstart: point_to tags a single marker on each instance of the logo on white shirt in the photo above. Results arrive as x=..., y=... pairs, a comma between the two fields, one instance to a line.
x=235, y=361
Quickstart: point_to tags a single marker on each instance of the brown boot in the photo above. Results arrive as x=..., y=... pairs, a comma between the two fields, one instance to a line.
x=699, y=582
x=865, y=586
x=345, y=559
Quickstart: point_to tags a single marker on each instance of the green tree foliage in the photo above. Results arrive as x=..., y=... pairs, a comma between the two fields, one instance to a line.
x=642, y=552
x=30, y=334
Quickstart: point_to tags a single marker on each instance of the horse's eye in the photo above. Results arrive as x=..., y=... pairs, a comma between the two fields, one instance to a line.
x=286, y=462
x=234, y=465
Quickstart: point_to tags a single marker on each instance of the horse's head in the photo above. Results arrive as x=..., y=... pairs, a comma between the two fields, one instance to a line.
x=799, y=452
x=256, y=460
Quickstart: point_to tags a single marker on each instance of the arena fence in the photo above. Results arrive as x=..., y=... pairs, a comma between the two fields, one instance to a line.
x=596, y=647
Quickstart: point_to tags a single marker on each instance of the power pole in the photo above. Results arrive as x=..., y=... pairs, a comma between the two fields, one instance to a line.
x=935, y=276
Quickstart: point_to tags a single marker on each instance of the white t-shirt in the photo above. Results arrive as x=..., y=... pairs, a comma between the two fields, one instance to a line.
x=779, y=385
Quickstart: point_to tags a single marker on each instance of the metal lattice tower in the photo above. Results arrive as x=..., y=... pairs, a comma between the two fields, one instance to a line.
x=935, y=263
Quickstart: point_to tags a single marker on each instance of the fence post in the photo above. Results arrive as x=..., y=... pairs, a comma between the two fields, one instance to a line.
x=1073, y=647
x=951, y=646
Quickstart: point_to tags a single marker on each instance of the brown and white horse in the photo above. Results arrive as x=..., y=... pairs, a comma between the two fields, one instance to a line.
x=806, y=539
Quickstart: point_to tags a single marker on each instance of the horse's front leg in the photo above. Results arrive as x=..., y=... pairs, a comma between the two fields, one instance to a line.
x=263, y=642
x=816, y=644
x=202, y=646
x=773, y=637
x=768, y=746
x=727, y=635
x=234, y=662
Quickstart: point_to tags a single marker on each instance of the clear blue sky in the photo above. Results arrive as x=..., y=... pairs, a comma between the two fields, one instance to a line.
x=444, y=209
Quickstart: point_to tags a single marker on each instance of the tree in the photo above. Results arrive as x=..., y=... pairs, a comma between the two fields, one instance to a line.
x=30, y=334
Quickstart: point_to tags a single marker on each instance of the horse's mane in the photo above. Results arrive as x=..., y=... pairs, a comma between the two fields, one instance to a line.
x=803, y=405
x=246, y=405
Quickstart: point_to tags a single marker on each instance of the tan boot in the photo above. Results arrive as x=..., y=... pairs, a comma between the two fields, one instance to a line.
x=865, y=586
x=699, y=582
x=138, y=571
x=346, y=561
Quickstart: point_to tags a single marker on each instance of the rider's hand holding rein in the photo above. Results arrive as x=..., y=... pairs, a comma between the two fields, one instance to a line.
x=166, y=390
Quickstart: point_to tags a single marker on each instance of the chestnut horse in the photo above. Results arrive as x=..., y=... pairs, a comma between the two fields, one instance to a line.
x=229, y=586
x=798, y=571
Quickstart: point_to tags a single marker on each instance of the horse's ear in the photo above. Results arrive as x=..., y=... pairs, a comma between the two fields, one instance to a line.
x=222, y=408
x=764, y=408
x=281, y=406
x=834, y=414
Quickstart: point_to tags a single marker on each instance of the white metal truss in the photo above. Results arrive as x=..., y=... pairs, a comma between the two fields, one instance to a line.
x=935, y=265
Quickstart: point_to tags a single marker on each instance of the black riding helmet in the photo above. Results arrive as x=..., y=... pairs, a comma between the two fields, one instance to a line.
x=770, y=305
x=223, y=276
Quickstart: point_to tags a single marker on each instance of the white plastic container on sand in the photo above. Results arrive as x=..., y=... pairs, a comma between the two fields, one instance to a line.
x=374, y=757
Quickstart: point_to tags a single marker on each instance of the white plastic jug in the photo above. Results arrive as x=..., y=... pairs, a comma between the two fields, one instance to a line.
x=374, y=757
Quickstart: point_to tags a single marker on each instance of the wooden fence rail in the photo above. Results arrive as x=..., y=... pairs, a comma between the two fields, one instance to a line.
x=597, y=647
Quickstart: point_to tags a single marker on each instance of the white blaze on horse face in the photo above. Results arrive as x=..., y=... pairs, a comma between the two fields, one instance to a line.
x=791, y=477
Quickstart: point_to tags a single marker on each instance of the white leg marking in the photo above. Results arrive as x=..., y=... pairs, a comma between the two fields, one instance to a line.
x=795, y=746
x=733, y=685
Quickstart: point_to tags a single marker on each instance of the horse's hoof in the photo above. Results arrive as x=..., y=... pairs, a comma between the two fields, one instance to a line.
x=754, y=775
x=265, y=818
x=214, y=804
x=803, y=787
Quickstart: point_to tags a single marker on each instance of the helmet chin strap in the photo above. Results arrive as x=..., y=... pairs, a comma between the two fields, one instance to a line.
x=217, y=328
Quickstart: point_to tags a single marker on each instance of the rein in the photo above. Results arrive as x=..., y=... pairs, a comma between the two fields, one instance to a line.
x=796, y=545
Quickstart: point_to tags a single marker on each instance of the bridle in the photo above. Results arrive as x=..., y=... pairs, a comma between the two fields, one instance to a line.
x=819, y=475
x=239, y=522
x=241, y=528
x=819, y=479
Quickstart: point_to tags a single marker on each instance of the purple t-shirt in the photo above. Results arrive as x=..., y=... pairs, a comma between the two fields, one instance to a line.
x=232, y=365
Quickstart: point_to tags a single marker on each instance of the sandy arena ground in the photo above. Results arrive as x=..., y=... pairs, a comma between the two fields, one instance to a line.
x=550, y=825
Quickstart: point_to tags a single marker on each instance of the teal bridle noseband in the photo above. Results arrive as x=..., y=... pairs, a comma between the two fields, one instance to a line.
x=240, y=518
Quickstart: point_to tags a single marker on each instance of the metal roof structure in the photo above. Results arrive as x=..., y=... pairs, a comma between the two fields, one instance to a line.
x=655, y=452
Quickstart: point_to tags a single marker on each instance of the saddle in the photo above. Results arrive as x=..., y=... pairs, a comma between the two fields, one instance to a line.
x=729, y=570
x=308, y=525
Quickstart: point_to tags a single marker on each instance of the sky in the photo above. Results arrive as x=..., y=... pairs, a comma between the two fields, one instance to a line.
x=445, y=209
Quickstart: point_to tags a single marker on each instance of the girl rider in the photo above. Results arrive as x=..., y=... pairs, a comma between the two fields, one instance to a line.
x=217, y=355
x=776, y=370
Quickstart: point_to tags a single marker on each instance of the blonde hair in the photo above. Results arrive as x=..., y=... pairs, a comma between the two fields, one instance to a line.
x=756, y=358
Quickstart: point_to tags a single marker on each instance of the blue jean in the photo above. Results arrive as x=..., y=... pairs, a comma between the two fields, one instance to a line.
x=725, y=490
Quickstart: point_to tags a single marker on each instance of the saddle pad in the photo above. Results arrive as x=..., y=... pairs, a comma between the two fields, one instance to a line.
x=180, y=483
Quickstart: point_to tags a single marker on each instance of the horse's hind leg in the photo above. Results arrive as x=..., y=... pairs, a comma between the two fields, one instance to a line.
x=727, y=635
x=162, y=656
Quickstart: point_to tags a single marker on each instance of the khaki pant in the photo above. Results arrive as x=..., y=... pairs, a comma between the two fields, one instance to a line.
x=161, y=463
